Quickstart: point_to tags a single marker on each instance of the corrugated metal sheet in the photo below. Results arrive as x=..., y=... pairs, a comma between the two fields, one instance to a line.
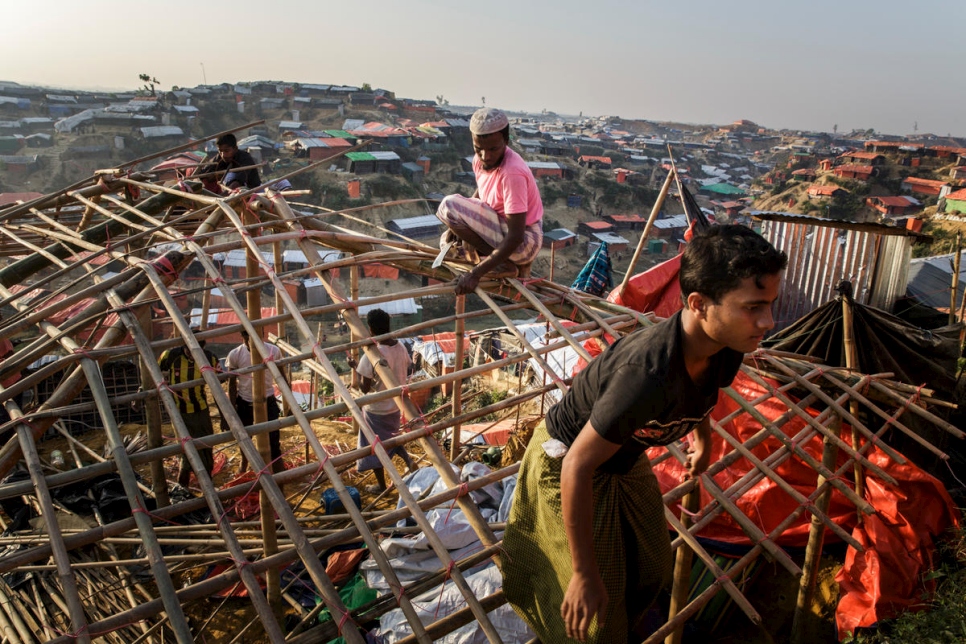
x=930, y=279
x=156, y=131
x=410, y=223
x=298, y=257
x=821, y=255
x=407, y=306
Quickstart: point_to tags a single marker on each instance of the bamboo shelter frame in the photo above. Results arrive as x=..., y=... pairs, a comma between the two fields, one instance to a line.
x=52, y=243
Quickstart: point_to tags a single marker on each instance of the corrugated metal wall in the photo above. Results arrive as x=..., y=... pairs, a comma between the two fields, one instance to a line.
x=819, y=257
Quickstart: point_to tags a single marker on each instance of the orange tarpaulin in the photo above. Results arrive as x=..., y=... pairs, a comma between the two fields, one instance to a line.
x=376, y=269
x=656, y=289
x=898, y=539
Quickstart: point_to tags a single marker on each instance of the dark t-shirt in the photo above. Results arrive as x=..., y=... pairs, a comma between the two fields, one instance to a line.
x=638, y=394
x=248, y=178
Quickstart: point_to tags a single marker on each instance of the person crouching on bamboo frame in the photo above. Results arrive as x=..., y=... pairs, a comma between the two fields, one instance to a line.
x=587, y=546
x=499, y=228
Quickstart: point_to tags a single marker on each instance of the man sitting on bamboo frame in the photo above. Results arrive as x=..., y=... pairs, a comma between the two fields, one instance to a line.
x=503, y=221
x=586, y=547
x=234, y=168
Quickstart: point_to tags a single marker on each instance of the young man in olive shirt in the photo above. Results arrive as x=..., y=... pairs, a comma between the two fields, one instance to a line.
x=587, y=546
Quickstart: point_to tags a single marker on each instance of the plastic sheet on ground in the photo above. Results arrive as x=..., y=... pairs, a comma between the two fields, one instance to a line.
x=412, y=558
x=562, y=362
x=434, y=605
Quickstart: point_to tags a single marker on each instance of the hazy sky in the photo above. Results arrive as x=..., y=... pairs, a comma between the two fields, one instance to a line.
x=810, y=65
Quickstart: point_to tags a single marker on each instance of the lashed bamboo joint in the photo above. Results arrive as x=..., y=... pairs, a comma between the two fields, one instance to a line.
x=138, y=574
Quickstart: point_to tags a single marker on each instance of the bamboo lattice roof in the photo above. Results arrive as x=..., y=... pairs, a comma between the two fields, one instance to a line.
x=155, y=235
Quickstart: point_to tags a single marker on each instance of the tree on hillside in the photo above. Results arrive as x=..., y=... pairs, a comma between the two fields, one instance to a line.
x=149, y=83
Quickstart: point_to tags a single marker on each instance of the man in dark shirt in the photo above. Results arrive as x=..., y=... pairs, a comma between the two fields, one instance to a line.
x=180, y=367
x=587, y=547
x=226, y=163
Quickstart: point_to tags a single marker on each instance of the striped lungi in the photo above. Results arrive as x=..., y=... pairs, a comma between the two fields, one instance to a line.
x=385, y=426
x=631, y=545
x=457, y=210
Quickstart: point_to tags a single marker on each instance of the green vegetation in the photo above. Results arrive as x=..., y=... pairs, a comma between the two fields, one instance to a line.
x=149, y=83
x=943, y=241
x=551, y=191
x=844, y=206
x=945, y=620
x=485, y=399
x=384, y=187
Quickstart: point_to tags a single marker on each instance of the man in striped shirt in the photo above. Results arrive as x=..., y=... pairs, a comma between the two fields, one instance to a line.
x=180, y=367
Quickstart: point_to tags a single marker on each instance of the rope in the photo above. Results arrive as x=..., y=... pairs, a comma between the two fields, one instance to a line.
x=462, y=490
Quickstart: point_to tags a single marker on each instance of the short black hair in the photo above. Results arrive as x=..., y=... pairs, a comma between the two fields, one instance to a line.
x=718, y=259
x=227, y=139
x=378, y=321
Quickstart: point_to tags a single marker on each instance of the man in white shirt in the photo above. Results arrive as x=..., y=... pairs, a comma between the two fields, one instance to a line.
x=240, y=393
x=383, y=417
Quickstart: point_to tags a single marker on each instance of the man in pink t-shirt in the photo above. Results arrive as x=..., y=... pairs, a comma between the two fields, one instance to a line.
x=502, y=221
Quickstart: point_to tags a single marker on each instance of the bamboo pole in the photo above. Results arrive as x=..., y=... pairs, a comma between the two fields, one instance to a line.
x=433, y=450
x=825, y=431
x=129, y=481
x=783, y=485
x=11, y=625
x=813, y=550
x=152, y=418
x=78, y=621
x=852, y=363
x=713, y=568
x=911, y=405
x=194, y=459
x=354, y=295
x=554, y=322
x=954, y=287
x=458, y=383
x=662, y=195
x=260, y=414
x=892, y=420
x=523, y=340
x=681, y=581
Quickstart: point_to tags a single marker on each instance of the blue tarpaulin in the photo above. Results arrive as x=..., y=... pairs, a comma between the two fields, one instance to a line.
x=596, y=277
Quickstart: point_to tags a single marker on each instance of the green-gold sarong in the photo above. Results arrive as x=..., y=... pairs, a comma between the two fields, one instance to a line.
x=631, y=544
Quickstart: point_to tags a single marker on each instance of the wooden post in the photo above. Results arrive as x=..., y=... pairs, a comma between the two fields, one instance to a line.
x=205, y=305
x=954, y=289
x=682, y=566
x=852, y=362
x=647, y=229
x=273, y=589
x=813, y=550
x=553, y=260
x=279, y=307
x=353, y=295
x=454, y=449
x=152, y=418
